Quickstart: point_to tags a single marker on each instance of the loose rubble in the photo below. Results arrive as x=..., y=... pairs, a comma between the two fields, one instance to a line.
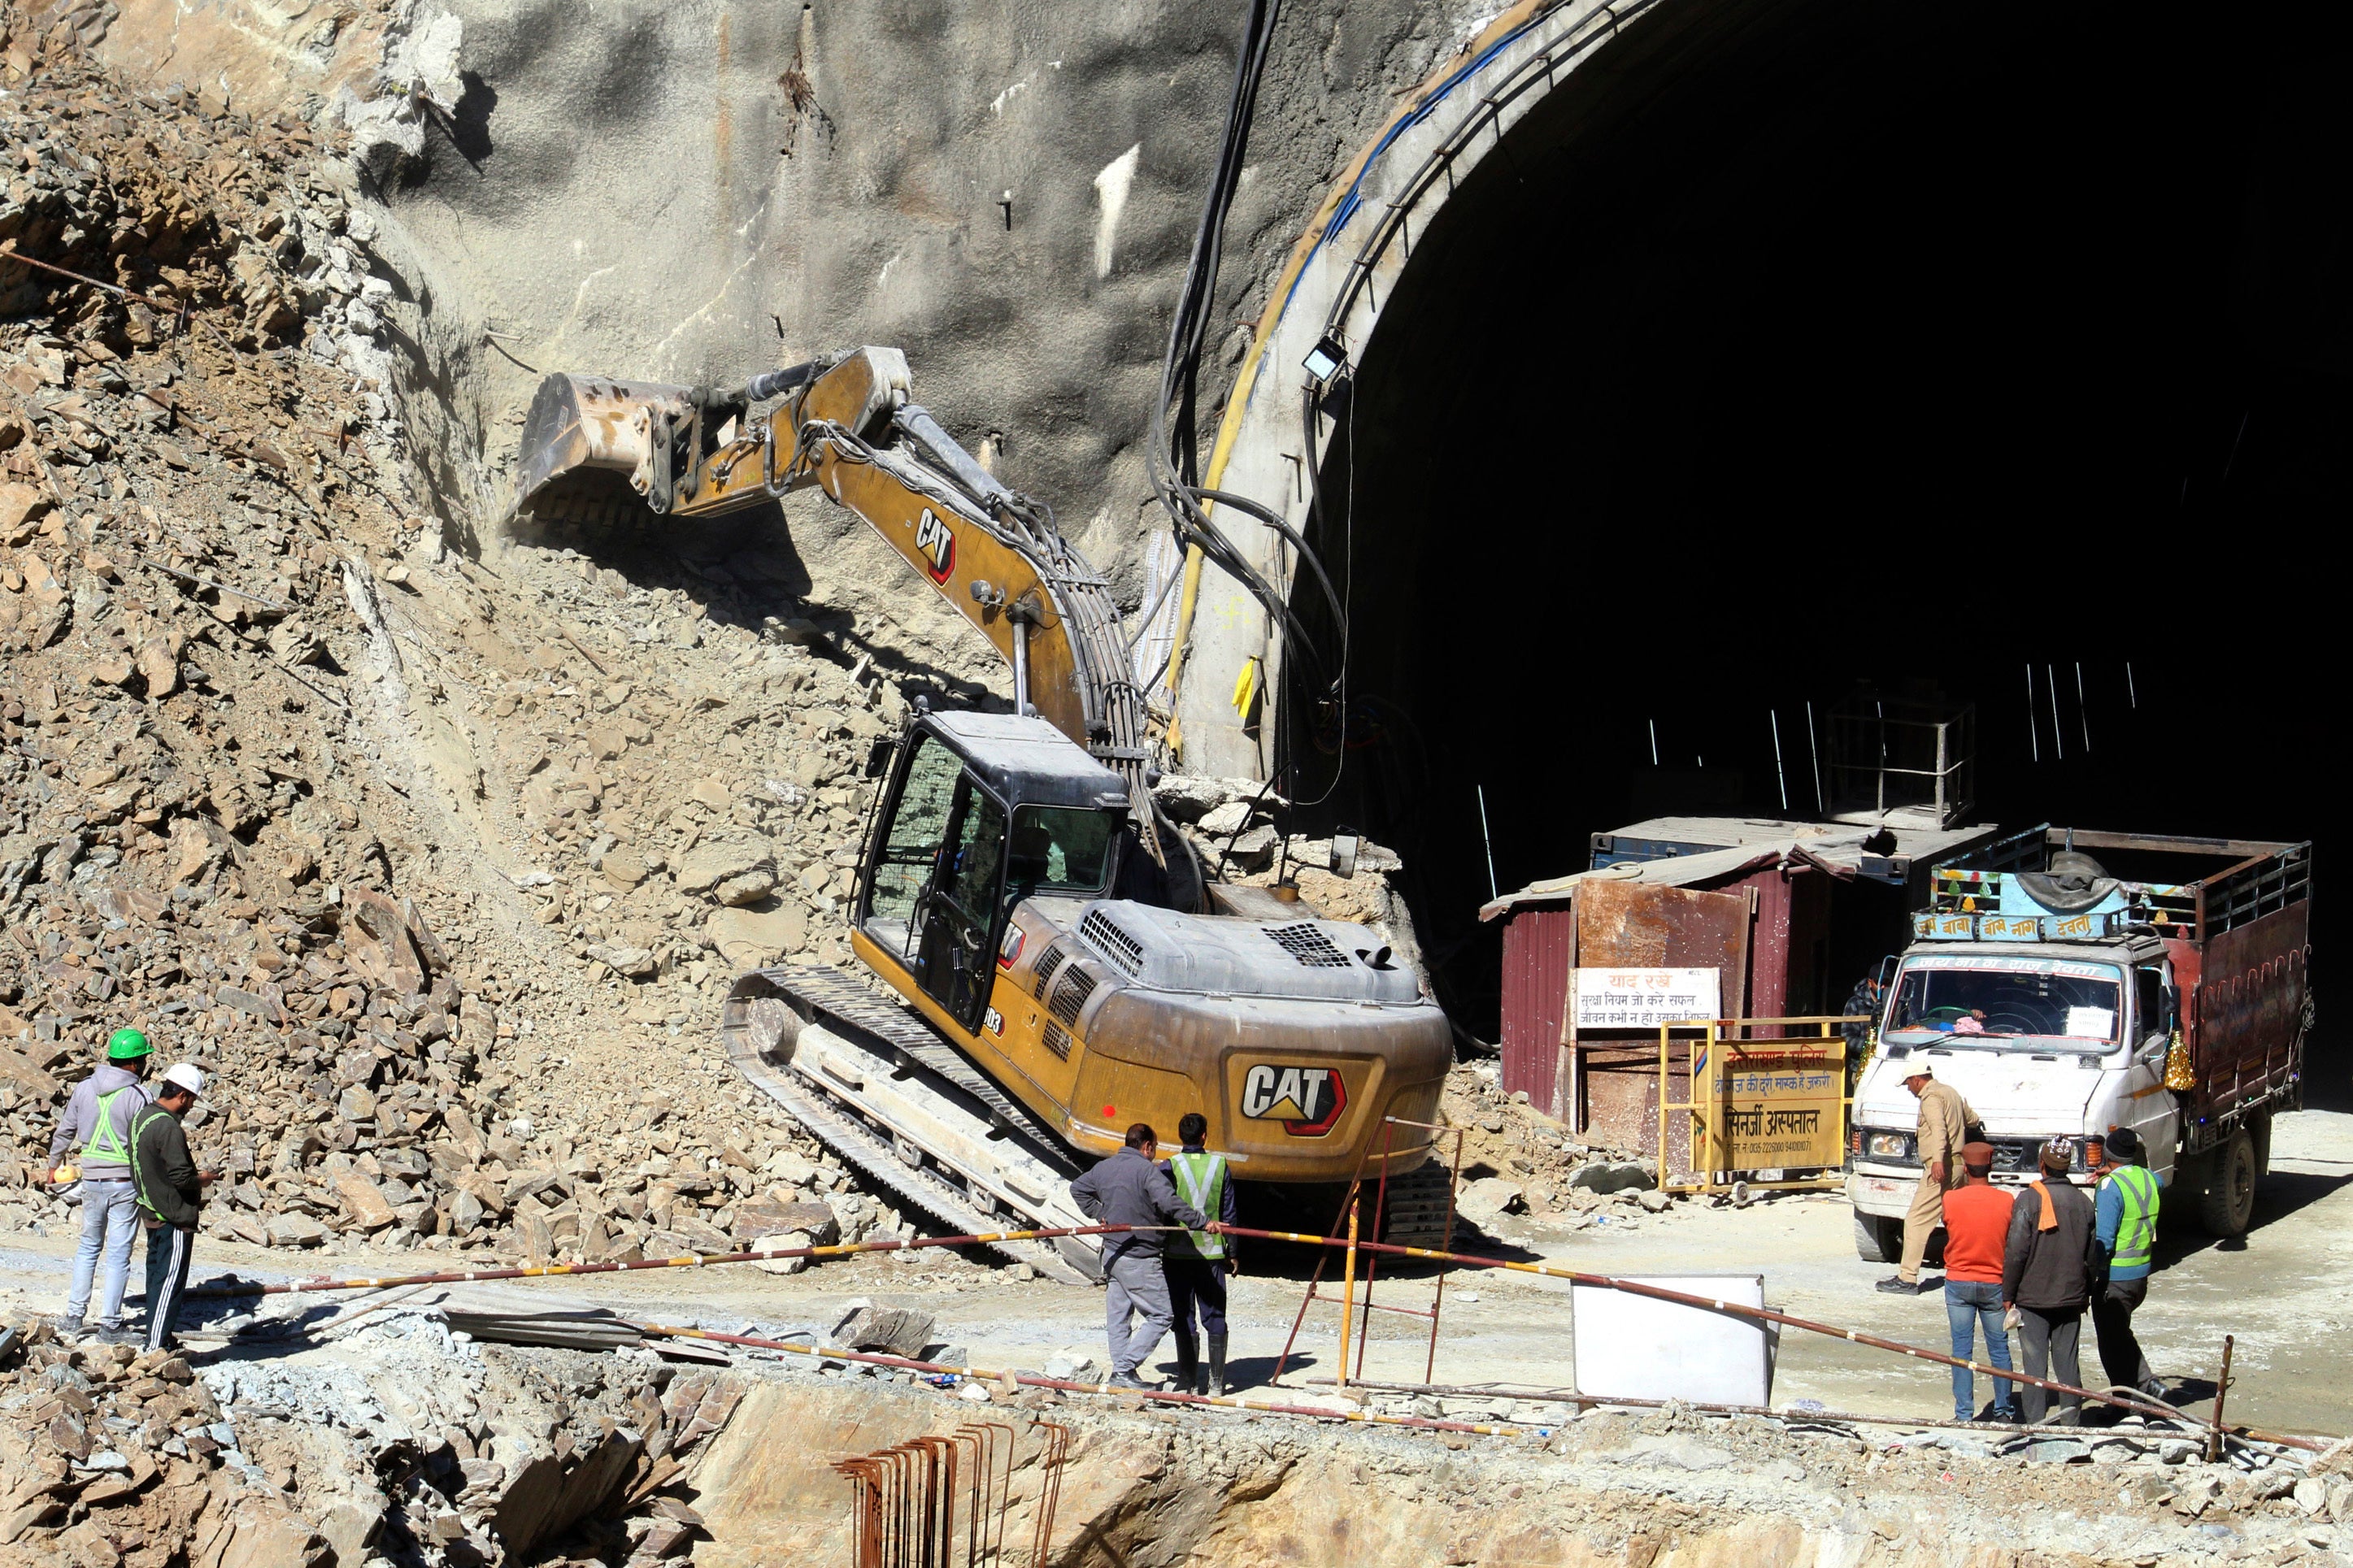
x=1525, y=1176
x=367, y=828
x=399, y=1440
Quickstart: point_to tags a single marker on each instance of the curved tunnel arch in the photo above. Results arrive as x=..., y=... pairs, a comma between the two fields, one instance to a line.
x=1705, y=352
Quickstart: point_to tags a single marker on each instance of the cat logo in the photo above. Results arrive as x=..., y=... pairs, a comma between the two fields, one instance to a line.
x=937, y=544
x=1307, y=1100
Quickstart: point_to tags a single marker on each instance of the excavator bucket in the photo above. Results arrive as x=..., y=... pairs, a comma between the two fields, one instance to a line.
x=593, y=422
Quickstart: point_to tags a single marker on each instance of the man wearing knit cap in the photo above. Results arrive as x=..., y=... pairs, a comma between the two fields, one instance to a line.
x=2125, y=1226
x=2046, y=1275
x=1945, y=1120
x=97, y=1122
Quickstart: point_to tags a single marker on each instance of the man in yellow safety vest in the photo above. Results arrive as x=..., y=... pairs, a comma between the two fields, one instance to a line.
x=1197, y=1261
x=2125, y=1229
x=97, y=1119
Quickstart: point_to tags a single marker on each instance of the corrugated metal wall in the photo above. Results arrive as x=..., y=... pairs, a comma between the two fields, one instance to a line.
x=1538, y=942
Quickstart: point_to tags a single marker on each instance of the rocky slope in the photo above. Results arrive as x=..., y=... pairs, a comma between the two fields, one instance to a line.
x=422, y=853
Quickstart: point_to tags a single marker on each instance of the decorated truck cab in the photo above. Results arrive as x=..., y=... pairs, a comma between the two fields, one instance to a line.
x=2171, y=994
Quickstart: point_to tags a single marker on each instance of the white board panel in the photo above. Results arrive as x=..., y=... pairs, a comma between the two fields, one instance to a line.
x=1645, y=998
x=1636, y=1347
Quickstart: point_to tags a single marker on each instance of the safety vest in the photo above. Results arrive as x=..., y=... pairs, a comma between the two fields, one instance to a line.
x=2136, y=1224
x=104, y=1146
x=139, y=1124
x=1200, y=1180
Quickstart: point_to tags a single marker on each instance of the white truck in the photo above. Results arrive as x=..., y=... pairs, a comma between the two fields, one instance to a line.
x=2062, y=998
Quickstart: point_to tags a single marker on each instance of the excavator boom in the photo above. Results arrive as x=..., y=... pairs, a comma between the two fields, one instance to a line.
x=846, y=426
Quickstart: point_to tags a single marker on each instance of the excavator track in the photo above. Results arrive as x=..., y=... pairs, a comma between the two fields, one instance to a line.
x=907, y=1037
x=872, y=1084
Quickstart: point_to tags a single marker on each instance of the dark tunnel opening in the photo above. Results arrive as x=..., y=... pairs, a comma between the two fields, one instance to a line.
x=1794, y=350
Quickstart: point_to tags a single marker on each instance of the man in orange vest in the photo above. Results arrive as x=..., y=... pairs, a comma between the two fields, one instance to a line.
x=1976, y=1232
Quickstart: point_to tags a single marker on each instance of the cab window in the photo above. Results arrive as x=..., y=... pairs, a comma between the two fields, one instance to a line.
x=1060, y=849
x=912, y=842
x=2148, y=1000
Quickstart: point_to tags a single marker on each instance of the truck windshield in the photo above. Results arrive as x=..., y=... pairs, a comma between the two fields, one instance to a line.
x=1060, y=849
x=2056, y=1004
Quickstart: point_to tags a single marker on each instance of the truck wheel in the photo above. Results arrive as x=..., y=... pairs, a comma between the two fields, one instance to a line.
x=1878, y=1239
x=2227, y=1205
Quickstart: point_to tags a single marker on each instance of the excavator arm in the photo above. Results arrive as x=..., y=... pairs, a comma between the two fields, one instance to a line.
x=846, y=426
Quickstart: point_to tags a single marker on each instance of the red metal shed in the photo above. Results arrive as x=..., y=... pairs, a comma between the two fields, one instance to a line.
x=1788, y=914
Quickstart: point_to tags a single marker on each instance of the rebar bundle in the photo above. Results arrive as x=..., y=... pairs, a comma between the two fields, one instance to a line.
x=934, y=1502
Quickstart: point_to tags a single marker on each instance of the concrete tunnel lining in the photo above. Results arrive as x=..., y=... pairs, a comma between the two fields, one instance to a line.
x=1341, y=269
x=1657, y=228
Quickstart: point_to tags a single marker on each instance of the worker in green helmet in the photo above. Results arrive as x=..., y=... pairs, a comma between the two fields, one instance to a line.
x=97, y=1122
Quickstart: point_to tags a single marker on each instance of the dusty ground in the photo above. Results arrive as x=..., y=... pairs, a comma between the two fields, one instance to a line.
x=2280, y=1294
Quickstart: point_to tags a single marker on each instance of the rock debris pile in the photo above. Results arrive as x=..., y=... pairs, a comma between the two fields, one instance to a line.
x=343, y=819
x=108, y=1457
x=392, y=1439
x=1524, y=1172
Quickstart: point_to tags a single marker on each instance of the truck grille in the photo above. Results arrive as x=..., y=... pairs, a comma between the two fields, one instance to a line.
x=1058, y=1039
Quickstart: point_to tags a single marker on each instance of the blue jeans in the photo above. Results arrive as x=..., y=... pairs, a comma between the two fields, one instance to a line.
x=110, y=1223
x=1968, y=1303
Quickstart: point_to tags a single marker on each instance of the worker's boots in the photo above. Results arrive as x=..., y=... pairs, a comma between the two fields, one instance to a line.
x=1215, y=1383
x=1188, y=1368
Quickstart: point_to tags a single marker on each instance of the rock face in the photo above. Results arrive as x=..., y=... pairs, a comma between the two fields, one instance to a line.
x=812, y=124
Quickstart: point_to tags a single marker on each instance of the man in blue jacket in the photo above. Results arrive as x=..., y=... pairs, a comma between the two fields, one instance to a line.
x=97, y=1124
x=2125, y=1229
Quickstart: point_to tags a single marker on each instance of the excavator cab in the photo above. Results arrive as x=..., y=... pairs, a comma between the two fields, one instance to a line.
x=979, y=812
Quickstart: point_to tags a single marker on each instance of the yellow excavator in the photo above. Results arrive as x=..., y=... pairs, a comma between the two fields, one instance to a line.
x=1068, y=967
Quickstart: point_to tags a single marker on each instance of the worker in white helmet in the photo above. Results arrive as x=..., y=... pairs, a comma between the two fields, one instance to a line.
x=170, y=1196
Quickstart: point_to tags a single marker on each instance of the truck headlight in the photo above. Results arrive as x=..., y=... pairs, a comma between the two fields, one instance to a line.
x=1892, y=1145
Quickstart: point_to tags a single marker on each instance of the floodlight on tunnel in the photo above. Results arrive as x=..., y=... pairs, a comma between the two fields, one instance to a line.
x=1326, y=359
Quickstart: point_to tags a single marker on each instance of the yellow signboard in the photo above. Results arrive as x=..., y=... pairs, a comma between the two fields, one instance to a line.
x=1774, y=1104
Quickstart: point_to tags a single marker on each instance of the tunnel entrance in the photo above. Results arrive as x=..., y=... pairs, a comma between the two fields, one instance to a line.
x=1791, y=350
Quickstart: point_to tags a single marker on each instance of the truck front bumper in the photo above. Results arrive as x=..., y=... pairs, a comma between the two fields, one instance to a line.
x=1881, y=1192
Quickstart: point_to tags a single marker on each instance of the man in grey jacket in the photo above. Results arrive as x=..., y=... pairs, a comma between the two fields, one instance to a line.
x=97, y=1124
x=2046, y=1275
x=1130, y=1189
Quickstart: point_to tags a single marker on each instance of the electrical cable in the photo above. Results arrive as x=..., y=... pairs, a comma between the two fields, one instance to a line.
x=1175, y=455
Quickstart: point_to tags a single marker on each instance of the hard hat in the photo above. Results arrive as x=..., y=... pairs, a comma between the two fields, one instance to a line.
x=126, y=1045
x=187, y=1077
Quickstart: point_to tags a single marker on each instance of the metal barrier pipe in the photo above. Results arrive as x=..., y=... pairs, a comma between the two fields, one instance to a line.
x=691, y=1260
x=2141, y=1405
x=1066, y=1385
